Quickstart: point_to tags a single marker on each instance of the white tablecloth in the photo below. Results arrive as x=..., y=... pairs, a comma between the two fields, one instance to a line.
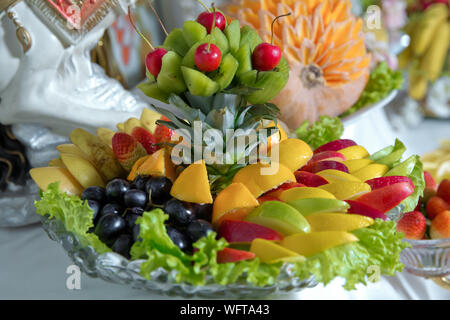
x=34, y=267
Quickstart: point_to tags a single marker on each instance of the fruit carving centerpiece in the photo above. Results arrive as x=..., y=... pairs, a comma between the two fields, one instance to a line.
x=324, y=211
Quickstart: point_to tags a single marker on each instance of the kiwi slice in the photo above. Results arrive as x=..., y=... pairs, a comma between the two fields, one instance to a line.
x=193, y=32
x=221, y=41
x=250, y=36
x=244, y=57
x=170, y=78
x=233, y=33
x=226, y=71
x=175, y=42
x=150, y=89
x=198, y=83
x=270, y=84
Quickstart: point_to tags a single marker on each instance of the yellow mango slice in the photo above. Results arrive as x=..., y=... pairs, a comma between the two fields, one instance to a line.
x=47, y=175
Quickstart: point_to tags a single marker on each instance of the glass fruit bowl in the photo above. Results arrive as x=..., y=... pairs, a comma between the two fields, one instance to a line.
x=113, y=267
x=428, y=258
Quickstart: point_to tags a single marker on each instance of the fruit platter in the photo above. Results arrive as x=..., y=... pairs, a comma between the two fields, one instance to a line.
x=210, y=194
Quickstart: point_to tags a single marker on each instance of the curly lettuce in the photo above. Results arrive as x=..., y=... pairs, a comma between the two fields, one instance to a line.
x=75, y=213
x=325, y=130
x=382, y=81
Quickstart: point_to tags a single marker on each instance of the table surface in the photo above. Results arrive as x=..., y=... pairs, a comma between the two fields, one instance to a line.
x=34, y=267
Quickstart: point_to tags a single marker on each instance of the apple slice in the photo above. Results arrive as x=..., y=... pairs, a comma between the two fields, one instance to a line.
x=280, y=217
x=387, y=198
x=245, y=232
x=305, y=193
x=365, y=210
x=270, y=252
x=318, y=205
x=335, y=145
x=338, y=222
x=355, y=152
x=309, y=179
x=308, y=244
x=327, y=155
x=233, y=255
x=381, y=182
x=315, y=167
x=285, y=186
x=266, y=198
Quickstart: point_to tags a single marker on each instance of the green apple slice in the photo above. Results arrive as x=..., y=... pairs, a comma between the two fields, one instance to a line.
x=233, y=33
x=198, y=83
x=280, y=217
x=319, y=205
x=170, y=78
x=193, y=32
x=175, y=42
x=226, y=71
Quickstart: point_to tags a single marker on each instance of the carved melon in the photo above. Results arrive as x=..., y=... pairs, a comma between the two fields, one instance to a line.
x=324, y=46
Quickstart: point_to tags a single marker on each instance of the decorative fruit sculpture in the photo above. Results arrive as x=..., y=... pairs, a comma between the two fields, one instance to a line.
x=323, y=43
x=235, y=220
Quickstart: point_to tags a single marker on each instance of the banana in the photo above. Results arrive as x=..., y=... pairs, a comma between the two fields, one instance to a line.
x=418, y=85
x=102, y=154
x=56, y=163
x=148, y=119
x=130, y=124
x=106, y=135
x=426, y=28
x=433, y=60
x=82, y=170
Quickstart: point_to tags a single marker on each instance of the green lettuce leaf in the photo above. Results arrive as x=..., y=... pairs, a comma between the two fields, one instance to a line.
x=381, y=82
x=391, y=155
x=413, y=169
x=378, y=249
x=75, y=213
x=325, y=130
x=159, y=251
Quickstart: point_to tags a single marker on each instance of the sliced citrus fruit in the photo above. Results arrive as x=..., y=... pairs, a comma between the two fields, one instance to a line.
x=356, y=164
x=332, y=175
x=293, y=153
x=270, y=252
x=346, y=190
x=231, y=200
x=192, y=185
x=374, y=170
x=354, y=152
x=308, y=244
x=260, y=178
x=337, y=221
x=281, y=135
x=305, y=193
x=158, y=164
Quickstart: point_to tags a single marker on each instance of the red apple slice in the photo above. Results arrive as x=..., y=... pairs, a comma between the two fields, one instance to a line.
x=387, y=198
x=309, y=179
x=285, y=186
x=315, y=167
x=335, y=145
x=233, y=255
x=381, y=182
x=245, y=232
x=327, y=155
x=364, y=210
x=265, y=198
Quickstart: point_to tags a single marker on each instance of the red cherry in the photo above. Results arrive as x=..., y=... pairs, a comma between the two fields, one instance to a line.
x=266, y=57
x=207, y=57
x=206, y=19
x=153, y=61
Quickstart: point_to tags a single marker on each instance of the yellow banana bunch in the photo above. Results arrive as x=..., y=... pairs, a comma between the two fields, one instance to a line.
x=426, y=28
x=430, y=41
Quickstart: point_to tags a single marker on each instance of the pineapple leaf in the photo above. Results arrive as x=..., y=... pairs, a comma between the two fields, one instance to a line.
x=189, y=113
x=241, y=90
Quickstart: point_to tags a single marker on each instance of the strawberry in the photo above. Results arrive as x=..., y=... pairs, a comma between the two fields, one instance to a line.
x=162, y=133
x=435, y=206
x=429, y=180
x=443, y=190
x=146, y=139
x=413, y=225
x=440, y=226
x=127, y=149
